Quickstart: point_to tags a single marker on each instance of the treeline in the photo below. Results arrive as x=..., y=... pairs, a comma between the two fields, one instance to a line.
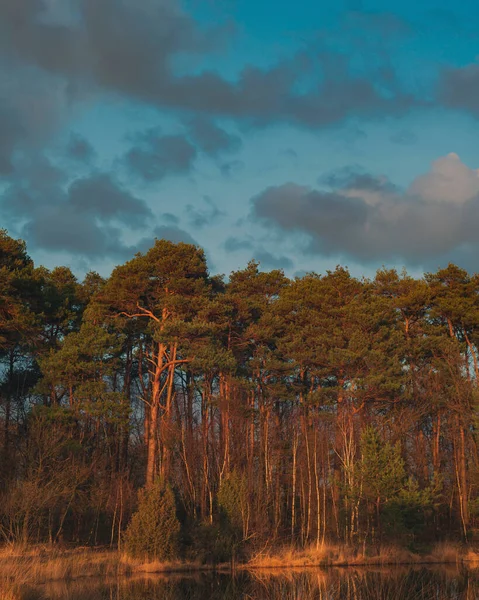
x=267, y=410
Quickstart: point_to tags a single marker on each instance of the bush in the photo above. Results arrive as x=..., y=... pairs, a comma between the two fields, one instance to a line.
x=233, y=503
x=210, y=543
x=153, y=531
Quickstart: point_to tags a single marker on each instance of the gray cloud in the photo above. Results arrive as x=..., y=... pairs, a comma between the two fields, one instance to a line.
x=11, y=130
x=80, y=218
x=80, y=149
x=65, y=230
x=459, y=88
x=166, y=232
x=133, y=54
x=233, y=244
x=370, y=219
x=174, y=234
x=353, y=177
x=32, y=104
x=229, y=168
x=155, y=156
x=170, y=219
x=208, y=215
x=270, y=261
x=211, y=138
x=99, y=195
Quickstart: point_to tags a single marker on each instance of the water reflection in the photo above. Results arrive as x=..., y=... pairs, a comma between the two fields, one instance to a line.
x=333, y=584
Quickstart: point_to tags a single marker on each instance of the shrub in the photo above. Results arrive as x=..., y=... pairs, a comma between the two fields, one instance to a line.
x=154, y=529
x=233, y=502
x=211, y=543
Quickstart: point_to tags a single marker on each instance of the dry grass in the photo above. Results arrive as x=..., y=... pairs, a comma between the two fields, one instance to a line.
x=448, y=553
x=336, y=555
x=42, y=564
x=18, y=592
x=139, y=566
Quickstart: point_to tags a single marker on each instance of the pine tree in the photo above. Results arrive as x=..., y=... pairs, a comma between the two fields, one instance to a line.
x=153, y=530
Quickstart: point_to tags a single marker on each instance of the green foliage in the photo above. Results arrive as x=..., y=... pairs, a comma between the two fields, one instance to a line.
x=267, y=379
x=232, y=500
x=382, y=467
x=154, y=529
x=409, y=513
x=211, y=543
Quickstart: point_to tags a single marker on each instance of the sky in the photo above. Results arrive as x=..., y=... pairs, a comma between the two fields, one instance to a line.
x=301, y=134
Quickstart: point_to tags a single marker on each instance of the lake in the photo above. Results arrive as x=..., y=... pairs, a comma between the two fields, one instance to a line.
x=441, y=583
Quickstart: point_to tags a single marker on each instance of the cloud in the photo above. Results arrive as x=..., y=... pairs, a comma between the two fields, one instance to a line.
x=233, y=244
x=459, y=88
x=154, y=156
x=212, y=139
x=165, y=232
x=229, y=168
x=32, y=104
x=80, y=149
x=174, y=234
x=270, y=261
x=65, y=230
x=102, y=197
x=200, y=217
x=169, y=219
x=11, y=130
x=80, y=217
x=136, y=54
x=370, y=219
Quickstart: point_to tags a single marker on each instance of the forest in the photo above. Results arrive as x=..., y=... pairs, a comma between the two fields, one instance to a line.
x=179, y=414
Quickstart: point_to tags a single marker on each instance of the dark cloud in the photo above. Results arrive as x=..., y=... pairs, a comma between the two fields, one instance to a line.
x=233, y=244
x=165, y=232
x=169, y=219
x=211, y=138
x=354, y=177
x=174, y=234
x=80, y=149
x=102, y=197
x=207, y=215
x=32, y=104
x=270, y=261
x=154, y=156
x=11, y=130
x=459, y=88
x=370, y=219
x=81, y=217
x=228, y=169
x=65, y=230
x=133, y=54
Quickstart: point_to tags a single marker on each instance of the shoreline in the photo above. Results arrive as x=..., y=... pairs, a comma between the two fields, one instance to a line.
x=38, y=565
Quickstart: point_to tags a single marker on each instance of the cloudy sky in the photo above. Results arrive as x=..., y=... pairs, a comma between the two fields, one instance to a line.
x=303, y=134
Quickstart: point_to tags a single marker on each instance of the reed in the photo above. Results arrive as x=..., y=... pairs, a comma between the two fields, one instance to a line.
x=41, y=564
x=341, y=555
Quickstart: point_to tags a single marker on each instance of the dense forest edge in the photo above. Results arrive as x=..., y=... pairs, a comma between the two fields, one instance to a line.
x=172, y=417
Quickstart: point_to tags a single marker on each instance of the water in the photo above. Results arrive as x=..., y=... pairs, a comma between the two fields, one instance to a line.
x=314, y=584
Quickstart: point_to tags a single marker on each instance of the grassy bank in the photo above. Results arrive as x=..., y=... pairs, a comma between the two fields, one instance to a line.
x=340, y=555
x=38, y=565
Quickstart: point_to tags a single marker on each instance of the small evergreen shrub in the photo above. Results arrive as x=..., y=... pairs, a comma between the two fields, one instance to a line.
x=153, y=532
x=232, y=501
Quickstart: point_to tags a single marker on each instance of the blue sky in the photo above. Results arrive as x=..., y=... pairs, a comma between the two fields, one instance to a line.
x=301, y=134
